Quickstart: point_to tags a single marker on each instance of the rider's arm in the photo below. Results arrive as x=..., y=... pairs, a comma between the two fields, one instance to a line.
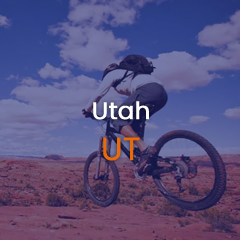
x=104, y=87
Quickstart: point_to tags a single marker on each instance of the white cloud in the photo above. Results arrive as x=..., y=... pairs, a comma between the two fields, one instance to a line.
x=39, y=109
x=180, y=70
x=21, y=120
x=48, y=71
x=233, y=113
x=213, y=62
x=24, y=147
x=16, y=113
x=12, y=77
x=221, y=34
x=198, y=119
x=68, y=94
x=112, y=12
x=4, y=21
x=8, y=146
x=30, y=82
x=81, y=82
x=225, y=38
x=88, y=47
x=85, y=41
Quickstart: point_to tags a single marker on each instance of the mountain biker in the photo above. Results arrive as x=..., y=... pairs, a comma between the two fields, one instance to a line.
x=139, y=85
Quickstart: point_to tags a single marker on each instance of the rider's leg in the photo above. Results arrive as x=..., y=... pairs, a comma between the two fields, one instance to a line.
x=127, y=131
x=154, y=94
x=146, y=151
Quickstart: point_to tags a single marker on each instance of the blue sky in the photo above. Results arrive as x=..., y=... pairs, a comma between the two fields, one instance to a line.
x=52, y=54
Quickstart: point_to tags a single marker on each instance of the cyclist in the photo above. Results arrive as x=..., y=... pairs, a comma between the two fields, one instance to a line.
x=132, y=77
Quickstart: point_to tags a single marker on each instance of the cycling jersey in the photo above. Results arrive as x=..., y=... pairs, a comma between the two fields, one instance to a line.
x=126, y=87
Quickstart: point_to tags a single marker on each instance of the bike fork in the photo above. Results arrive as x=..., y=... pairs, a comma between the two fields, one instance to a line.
x=99, y=157
x=109, y=141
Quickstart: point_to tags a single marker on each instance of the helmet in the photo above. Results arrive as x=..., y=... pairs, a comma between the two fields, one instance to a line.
x=109, y=68
x=137, y=64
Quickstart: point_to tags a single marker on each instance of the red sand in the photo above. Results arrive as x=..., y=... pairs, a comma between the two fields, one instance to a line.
x=28, y=181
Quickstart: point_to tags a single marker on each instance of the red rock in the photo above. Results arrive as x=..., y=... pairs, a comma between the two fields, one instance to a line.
x=54, y=157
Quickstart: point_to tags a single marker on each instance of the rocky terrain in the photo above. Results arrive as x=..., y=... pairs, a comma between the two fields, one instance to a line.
x=44, y=198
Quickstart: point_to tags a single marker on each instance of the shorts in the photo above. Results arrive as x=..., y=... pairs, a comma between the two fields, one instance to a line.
x=151, y=93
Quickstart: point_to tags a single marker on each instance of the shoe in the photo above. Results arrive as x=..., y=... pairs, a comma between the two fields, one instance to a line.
x=146, y=157
x=136, y=175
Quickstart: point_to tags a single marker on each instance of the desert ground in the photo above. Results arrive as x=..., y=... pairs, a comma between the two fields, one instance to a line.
x=140, y=213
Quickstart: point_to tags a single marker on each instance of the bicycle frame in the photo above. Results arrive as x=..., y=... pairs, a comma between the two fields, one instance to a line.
x=110, y=134
x=178, y=166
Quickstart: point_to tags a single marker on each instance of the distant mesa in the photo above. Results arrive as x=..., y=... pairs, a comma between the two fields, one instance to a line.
x=54, y=157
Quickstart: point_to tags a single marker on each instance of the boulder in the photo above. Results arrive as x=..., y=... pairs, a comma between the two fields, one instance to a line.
x=54, y=157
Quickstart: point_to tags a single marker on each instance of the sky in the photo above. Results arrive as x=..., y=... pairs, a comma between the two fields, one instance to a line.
x=53, y=53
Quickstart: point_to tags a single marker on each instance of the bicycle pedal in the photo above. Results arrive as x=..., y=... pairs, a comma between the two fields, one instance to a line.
x=136, y=175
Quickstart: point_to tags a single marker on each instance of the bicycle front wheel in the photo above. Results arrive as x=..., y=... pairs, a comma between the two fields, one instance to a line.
x=204, y=176
x=101, y=180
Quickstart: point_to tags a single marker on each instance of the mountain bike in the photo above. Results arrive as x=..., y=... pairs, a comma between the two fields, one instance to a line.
x=187, y=170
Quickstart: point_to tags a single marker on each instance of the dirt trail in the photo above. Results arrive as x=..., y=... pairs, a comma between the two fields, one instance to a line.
x=114, y=222
x=25, y=184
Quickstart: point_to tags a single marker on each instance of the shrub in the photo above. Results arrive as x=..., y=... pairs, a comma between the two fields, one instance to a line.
x=144, y=192
x=36, y=194
x=126, y=197
x=145, y=206
x=132, y=185
x=38, y=200
x=29, y=186
x=183, y=222
x=54, y=157
x=6, y=199
x=79, y=193
x=193, y=190
x=171, y=210
x=218, y=220
x=155, y=192
x=53, y=200
x=127, y=193
x=85, y=205
x=25, y=202
x=132, y=197
x=101, y=191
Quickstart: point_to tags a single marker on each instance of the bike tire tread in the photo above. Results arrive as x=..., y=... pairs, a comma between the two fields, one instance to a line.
x=115, y=172
x=220, y=172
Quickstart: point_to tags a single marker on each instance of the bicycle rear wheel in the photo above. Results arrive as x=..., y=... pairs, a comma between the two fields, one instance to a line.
x=204, y=180
x=104, y=189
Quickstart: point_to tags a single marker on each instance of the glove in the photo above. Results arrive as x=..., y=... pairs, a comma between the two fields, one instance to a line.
x=87, y=114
